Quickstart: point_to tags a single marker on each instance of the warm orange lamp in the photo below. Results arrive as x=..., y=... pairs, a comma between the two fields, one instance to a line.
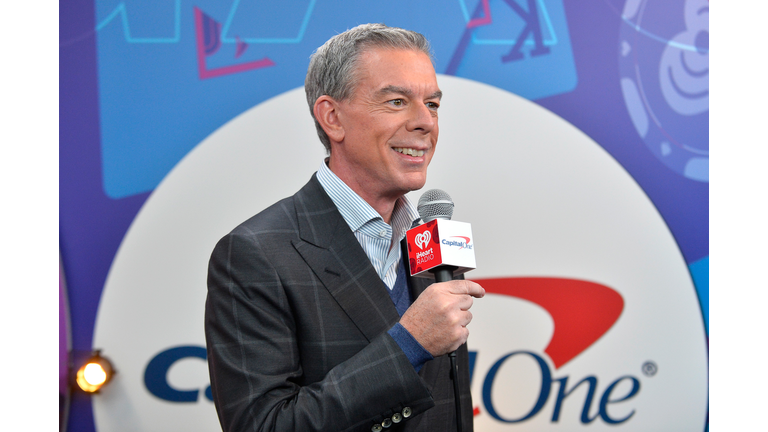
x=95, y=373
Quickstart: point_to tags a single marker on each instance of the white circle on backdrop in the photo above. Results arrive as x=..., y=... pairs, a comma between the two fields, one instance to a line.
x=544, y=200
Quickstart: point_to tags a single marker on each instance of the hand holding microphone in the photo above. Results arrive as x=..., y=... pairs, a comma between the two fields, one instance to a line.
x=439, y=316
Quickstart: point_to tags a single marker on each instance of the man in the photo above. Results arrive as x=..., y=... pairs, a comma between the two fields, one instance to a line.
x=311, y=320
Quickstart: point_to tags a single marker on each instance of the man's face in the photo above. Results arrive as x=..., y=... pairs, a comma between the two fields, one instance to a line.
x=389, y=124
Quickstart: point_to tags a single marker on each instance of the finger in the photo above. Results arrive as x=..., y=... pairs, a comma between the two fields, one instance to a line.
x=474, y=289
x=466, y=287
x=468, y=318
x=459, y=287
x=464, y=337
x=465, y=302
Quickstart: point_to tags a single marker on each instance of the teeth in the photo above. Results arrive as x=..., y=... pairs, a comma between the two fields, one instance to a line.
x=409, y=151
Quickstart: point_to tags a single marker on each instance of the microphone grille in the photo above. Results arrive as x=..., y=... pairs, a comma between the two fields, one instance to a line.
x=435, y=204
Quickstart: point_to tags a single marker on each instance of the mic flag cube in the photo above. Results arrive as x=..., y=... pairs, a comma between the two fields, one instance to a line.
x=440, y=242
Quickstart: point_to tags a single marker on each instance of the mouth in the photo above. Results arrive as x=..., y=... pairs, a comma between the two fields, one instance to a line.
x=409, y=151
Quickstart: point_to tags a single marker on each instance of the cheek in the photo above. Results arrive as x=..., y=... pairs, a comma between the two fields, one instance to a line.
x=429, y=160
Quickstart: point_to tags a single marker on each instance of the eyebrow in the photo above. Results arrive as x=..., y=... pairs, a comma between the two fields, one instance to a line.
x=407, y=92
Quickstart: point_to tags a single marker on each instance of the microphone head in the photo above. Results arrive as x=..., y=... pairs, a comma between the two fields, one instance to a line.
x=435, y=204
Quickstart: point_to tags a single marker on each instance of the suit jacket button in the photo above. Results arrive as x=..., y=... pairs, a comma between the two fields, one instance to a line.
x=397, y=418
x=407, y=412
x=376, y=428
x=386, y=423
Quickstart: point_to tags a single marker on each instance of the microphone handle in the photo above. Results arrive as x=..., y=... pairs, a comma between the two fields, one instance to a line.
x=445, y=274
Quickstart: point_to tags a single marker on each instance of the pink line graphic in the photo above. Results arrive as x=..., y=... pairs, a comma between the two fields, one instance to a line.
x=476, y=22
x=208, y=31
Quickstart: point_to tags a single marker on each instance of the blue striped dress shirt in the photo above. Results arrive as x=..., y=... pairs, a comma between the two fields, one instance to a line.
x=381, y=243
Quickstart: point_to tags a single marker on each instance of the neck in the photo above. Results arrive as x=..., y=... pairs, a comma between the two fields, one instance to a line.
x=383, y=204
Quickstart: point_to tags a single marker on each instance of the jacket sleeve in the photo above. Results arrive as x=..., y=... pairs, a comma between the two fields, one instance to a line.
x=255, y=355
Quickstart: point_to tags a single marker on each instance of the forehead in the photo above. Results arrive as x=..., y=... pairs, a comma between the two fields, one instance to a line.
x=379, y=68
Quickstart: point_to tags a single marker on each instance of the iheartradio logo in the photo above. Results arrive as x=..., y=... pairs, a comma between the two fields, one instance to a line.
x=422, y=240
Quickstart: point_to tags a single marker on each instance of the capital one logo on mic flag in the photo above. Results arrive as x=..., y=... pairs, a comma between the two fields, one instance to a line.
x=422, y=240
x=440, y=242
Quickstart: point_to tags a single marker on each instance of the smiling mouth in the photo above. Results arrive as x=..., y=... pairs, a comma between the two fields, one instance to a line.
x=409, y=151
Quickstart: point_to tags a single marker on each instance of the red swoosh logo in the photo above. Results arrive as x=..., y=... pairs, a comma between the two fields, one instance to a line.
x=582, y=311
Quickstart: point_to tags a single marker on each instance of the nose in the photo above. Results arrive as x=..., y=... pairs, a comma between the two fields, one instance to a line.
x=423, y=118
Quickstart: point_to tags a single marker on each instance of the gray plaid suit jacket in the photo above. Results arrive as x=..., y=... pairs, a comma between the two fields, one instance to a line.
x=296, y=325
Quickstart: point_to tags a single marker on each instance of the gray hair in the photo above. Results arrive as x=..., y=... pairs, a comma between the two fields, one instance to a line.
x=332, y=67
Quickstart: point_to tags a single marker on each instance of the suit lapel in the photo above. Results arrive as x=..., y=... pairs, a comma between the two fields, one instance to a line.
x=333, y=253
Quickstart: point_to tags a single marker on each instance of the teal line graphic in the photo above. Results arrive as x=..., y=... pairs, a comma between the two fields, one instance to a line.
x=120, y=10
x=297, y=39
x=663, y=40
x=700, y=274
x=542, y=8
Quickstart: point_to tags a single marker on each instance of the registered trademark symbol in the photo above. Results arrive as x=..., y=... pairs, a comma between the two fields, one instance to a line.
x=650, y=368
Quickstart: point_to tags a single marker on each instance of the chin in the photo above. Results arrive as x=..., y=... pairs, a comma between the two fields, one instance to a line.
x=414, y=186
x=411, y=181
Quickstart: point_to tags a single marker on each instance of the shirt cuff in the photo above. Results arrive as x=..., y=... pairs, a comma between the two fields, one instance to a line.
x=416, y=353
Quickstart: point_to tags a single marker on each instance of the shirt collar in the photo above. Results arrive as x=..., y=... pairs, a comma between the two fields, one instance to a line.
x=357, y=212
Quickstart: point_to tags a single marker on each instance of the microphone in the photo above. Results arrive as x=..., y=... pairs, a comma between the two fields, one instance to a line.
x=439, y=247
x=437, y=204
x=445, y=248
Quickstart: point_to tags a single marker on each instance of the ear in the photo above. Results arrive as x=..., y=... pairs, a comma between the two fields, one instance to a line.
x=327, y=112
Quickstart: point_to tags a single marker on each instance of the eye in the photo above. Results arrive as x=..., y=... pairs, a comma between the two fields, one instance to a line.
x=433, y=105
x=397, y=102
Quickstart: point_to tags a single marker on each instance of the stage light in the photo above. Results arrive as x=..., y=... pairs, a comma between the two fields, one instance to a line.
x=94, y=373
